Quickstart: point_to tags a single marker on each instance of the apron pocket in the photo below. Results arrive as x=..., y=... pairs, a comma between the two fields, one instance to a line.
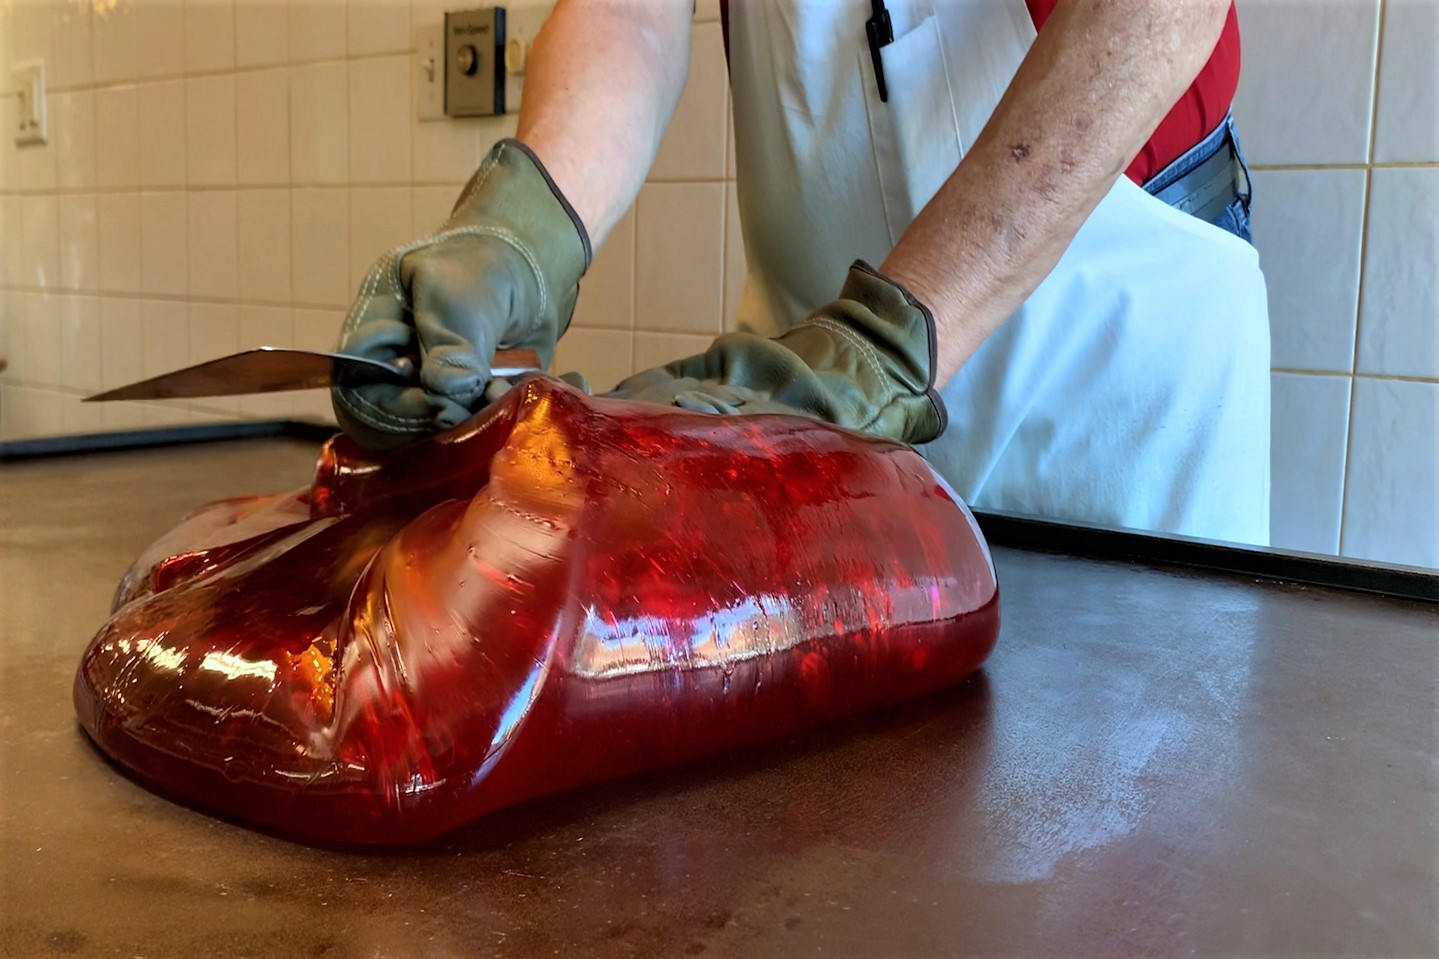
x=915, y=135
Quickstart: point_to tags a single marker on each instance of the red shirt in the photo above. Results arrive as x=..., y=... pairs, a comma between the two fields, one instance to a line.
x=1197, y=113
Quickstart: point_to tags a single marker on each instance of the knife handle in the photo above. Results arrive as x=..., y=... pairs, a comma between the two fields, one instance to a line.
x=505, y=363
x=514, y=362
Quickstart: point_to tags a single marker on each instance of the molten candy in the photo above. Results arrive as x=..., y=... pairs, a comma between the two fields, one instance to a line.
x=561, y=590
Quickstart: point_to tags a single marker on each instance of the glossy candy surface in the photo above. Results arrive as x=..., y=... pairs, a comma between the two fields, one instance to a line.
x=563, y=589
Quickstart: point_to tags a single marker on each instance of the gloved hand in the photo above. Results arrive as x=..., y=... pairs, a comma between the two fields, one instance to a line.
x=865, y=361
x=503, y=271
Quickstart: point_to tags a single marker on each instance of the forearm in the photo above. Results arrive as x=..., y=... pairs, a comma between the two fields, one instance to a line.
x=600, y=89
x=1095, y=85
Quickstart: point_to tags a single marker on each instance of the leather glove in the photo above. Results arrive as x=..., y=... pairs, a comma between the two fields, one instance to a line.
x=865, y=361
x=502, y=272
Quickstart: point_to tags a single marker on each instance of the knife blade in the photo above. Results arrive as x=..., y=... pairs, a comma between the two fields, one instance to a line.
x=274, y=369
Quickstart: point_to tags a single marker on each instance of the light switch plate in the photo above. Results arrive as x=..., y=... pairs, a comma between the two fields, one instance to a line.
x=430, y=73
x=29, y=79
x=474, y=62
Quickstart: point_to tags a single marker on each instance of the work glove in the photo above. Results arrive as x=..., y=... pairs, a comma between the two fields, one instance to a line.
x=865, y=361
x=502, y=272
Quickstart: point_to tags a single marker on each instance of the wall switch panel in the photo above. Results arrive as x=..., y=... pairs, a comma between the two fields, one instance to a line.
x=29, y=79
x=430, y=73
x=475, y=62
x=472, y=63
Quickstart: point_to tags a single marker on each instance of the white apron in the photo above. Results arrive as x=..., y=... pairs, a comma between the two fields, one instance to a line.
x=1130, y=390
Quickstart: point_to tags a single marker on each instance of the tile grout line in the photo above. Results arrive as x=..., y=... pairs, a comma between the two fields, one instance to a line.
x=199, y=298
x=221, y=187
x=1374, y=377
x=1386, y=165
x=229, y=71
x=235, y=133
x=290, y=176
x=235, y=33
x=1363, y=261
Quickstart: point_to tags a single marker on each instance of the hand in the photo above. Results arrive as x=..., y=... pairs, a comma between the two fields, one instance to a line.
x=503, y=271
x=864, y=361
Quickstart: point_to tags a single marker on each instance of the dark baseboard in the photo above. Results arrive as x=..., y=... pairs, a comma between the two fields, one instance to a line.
x=1001, y=529
x=1311, y=569
x=47, y=446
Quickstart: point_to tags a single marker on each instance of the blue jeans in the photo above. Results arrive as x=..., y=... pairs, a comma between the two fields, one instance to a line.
x=1234, y=218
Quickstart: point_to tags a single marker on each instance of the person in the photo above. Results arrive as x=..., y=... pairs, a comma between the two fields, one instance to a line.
x=1011, y=233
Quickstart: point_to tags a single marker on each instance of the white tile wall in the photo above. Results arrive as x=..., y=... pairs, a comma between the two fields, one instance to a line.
x=1316, y=109
x=159, y=38
x=210, y=130
x=117, y=227
x=247, y=159
x=40, y=254
x=167, y=335
x=1348, y=244
x=215, y=331
x=378, y=27
x=73, y=65
x=164, y=251
x=117, y=137
x=607, y=292
x=320, y=229
x=79, y=243
x=679, y=268
x=319, y=123
x=73, y=117
x=379, y=122
x=445, y=152
x=694, y=148
x=79, y=325
x=1311, y=311
x=209, y=35
x=317, y=29
x=212, y=244
x=113, y=35
x=122, y=326
x=432, y=207
x=263, y=245
x=656, y=349
x=262, y=33
x=379, y=221
x=162, y=133
x=34, y=31
x=1391, y=494
x=1408, y=122
x=262, y=127
x=1399, y=314
x=603, y=356
x=1311, y=423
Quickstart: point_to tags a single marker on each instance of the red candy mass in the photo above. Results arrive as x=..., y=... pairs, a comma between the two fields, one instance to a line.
x=562, y=590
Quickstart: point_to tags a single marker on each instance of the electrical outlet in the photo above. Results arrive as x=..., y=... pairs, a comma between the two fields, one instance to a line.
x=523, y=21
x=430, y=73
x=29, y=79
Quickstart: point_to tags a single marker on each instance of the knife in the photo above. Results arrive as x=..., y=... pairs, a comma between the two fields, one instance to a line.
x=274, y=369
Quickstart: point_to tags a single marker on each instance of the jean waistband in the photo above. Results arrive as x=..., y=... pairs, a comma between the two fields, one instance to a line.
x=1206, y=178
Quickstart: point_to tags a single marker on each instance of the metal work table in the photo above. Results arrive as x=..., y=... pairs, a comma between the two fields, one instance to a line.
x=1155, y=761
